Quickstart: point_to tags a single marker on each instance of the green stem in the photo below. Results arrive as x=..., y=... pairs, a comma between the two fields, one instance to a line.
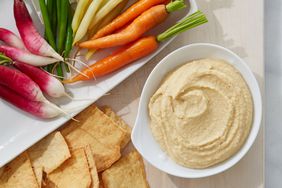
x=175, y=5
x=5, y=58
x=59, y=69
x=61, y=24
x=69, y=37
x=63, y=19
x=194, y=20
x=48, y=30
x=52, y=12
x=2, y=62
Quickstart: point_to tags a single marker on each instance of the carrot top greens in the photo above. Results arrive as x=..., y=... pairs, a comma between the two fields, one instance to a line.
x=187, y=23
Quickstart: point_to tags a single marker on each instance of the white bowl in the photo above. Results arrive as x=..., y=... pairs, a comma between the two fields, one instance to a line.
x=141, y=135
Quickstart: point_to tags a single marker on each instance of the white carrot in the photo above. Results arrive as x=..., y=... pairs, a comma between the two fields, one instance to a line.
x=79, y=13
x=106, y=9
x=89, y=15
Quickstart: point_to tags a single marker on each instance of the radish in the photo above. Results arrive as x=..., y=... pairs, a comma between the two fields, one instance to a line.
x=21, y=84
x=18, y=89
x=31, y=38
x=26, y=57
x=11, y=39
x=38, y=109
x=47, y=83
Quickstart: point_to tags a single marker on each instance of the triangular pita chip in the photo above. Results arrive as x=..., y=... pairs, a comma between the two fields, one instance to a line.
x=99, y=125
x=104, y=155
x=92, y=167
x=48, y=154
x=128, y=172
x=121, y=124
x=73, y=173
x=18, y=174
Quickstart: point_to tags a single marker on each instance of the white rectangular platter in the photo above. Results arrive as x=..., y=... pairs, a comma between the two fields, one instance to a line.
x=18, y=130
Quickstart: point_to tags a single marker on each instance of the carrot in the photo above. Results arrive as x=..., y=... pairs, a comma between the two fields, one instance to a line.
x=118, y=59
x=138, y=49
x=130, y=14
x=108, y=18
x=147, y=20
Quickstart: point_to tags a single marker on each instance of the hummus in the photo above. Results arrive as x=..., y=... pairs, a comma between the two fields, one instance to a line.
x=202, y=113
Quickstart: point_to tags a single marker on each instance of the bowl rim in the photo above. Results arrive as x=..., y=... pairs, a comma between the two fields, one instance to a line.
x=257, y=106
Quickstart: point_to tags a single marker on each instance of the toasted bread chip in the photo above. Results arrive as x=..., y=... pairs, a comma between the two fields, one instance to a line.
x=121, y=124
x=18, y=174
x=74, y=172
x=92, y=167
x=104, y=155
x=101, y=185
x=99, y=125
x=128, y=172
x=48, y=154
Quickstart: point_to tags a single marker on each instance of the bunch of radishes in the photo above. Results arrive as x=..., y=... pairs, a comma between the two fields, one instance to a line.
x=22, y=83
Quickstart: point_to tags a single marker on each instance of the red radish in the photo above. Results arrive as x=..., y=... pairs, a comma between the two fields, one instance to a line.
x=31, y=38
x=47, y=83
x=21, y=84
x=11, y=39
x=26, y=57
x=18, y=89
x=38, y=109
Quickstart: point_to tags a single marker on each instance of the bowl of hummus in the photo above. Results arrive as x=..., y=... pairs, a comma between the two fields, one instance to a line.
x=199, y=113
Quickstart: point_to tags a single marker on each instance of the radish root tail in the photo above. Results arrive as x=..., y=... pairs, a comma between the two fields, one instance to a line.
x=76, y=70
x=61, y=110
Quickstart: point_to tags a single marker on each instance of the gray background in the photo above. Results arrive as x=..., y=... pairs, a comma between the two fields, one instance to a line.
x=273, y=62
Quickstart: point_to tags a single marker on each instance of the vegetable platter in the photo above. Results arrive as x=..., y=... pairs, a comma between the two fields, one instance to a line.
x=19, y=130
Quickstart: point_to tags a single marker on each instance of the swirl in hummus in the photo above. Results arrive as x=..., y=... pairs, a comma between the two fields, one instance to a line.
x=202, y=113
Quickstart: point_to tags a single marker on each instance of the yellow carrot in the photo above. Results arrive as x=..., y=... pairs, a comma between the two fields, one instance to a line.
x=86, y=20
x=107, y=8
x=79, y=13
x=108, y=18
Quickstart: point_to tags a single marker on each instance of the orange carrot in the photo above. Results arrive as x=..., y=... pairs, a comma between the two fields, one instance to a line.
x=147, y=20
x=118, y=59
x=137, y=50
x=130, y=14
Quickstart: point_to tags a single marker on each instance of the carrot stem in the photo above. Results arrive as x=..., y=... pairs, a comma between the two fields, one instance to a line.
x=175, y=5
x=187, y=23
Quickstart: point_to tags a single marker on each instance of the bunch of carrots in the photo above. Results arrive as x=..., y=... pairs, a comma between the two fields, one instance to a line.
x=22, y=83
x=91, y=15
x=127, y=31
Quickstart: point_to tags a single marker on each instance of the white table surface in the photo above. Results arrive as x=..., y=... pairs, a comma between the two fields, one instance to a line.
x=237, y=25
x=273, y=62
